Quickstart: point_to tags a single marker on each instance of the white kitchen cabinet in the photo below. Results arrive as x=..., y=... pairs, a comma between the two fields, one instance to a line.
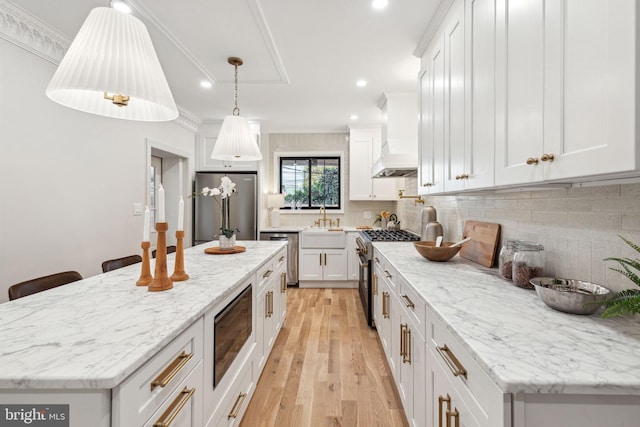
x=432, y=118
x=206, y=140
x=364, y=149
x=323, y=264
x=567, y=90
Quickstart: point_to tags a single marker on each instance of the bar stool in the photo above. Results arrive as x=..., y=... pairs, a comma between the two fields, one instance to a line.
x=114, y=264
x=170, y=250
x=40, y=284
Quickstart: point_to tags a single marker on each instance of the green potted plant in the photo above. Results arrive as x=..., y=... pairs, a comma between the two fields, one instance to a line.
x=628, y=300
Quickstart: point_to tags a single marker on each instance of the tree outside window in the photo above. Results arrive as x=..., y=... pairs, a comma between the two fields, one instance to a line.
x=310, y=182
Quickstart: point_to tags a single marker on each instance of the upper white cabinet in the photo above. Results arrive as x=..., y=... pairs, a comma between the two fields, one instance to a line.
x=364, y=149
x=526, y=92
x=206, y=140
x=567, y=90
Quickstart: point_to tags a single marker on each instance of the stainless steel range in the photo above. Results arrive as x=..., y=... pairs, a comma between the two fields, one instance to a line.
x=365, y=253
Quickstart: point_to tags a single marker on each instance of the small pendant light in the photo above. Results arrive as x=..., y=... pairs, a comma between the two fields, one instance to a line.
x=111, y=69
x=235, y=141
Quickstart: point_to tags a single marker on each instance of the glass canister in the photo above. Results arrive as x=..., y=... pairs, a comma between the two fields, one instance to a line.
x=528, y=262
x=505, y=259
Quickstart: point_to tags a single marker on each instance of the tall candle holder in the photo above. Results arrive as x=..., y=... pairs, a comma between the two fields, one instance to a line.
x=145, y=275
x=161, y=281
x=178, y=271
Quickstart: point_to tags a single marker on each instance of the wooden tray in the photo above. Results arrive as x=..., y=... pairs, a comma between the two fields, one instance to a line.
x=482, y=248
x=215, y=250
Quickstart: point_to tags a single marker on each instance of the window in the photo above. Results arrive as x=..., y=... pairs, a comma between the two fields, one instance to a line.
x=310, y=182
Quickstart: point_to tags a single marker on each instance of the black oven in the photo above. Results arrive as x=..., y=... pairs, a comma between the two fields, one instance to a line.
x=364, y=281
x=232, y=328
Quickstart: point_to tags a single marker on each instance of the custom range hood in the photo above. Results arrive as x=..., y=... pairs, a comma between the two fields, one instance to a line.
x=399, y=151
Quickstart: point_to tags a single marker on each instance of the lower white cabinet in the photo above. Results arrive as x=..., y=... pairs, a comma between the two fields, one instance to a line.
x=353, y=260
x=234, y=403
x=323, y=264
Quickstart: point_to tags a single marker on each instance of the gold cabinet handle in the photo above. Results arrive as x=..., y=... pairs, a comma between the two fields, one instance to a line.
x=402, y=326
x=283, y=284
x=455, y=415
x=532, y=161
x=281, y=258
x=325, y=259
x=376, y=260
x=547, y=157
x=174, y=409
x=408, y=302
x=271, y=304
x=387, y=274
x=320, y=255
x=406, y=332
x=375, y=284
x=452, y=361
x=385, y=305
x=441, y=400
x=462, y=176
x=427, y=184
x=237, y=405
x=267, y=274
x=171, y=370
x=267, y=306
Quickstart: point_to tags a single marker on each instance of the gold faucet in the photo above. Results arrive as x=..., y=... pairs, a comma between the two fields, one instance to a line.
x=324, y=218
x=418, y=198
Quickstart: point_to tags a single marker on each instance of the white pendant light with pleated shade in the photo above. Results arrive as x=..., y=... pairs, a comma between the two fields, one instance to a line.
x=235, y=141
x=111, y=69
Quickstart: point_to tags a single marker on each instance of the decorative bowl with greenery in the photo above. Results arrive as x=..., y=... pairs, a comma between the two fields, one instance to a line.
x=628, y=300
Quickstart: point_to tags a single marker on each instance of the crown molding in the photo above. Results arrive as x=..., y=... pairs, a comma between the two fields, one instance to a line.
x=431, y=29
x=19, y=27
x=188, y=120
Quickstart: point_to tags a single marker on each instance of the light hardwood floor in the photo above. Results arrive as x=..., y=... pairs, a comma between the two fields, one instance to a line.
x=327, y=368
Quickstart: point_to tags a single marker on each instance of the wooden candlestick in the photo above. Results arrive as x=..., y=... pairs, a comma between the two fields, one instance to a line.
x=145, y=275
x=178, y=271
x=161, y=281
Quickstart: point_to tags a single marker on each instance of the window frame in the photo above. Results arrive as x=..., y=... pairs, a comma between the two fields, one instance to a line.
x=337, y=155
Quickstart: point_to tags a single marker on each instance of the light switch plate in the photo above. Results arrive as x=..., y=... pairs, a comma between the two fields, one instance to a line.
x=137, y=209
x=367, y=214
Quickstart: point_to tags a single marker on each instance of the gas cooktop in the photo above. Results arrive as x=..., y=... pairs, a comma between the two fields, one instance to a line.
x=390, y=236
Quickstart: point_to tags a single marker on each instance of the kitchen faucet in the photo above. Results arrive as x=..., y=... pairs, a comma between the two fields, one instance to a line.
x=324, y=219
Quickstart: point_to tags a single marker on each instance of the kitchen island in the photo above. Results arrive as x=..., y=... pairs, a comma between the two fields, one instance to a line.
x=543, y=367
x=87, y=337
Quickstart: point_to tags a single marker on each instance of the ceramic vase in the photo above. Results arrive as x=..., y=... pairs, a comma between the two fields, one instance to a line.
x=227, y=243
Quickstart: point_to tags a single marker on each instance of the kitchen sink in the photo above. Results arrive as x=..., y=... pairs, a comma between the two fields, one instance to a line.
x=323, y=238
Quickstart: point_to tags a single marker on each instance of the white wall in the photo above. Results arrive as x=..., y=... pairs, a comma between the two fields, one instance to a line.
x=68, y=180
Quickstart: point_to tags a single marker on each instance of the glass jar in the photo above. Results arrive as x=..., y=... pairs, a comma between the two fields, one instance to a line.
x=505, y=259
x=528, y=262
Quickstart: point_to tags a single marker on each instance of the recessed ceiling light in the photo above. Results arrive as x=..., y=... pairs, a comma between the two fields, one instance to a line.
x=206, y=84
x=379, y=4
x=354, y=117
x=361, y=83
x=120, y=6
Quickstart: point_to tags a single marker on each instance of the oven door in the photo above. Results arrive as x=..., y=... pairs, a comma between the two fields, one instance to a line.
x=364, y=285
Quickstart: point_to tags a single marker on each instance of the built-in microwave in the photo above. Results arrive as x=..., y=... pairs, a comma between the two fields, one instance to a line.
x=232, y=328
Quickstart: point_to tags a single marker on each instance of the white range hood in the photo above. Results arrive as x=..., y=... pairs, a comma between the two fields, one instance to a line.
x=392, y=165
x=399, y=151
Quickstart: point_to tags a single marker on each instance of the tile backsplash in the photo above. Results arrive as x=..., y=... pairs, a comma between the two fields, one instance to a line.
x=578, y=227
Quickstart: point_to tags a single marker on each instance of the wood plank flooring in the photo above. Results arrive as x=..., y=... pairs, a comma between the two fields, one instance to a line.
x=327, y=368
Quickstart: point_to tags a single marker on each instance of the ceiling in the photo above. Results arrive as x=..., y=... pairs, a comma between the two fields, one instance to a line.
x=302, y=58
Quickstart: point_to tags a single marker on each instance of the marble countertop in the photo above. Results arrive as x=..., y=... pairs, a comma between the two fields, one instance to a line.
x=95, y=332
x=297, y=229
x=524, y=345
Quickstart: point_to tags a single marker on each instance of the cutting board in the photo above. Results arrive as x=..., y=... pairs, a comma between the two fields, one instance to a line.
x=483, y=244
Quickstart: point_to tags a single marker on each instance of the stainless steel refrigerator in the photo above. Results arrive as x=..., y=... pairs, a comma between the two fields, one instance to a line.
x=243, y=207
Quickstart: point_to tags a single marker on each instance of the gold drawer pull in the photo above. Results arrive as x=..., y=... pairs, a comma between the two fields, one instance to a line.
x=462, y=176
x=283, y=287
x=408, y=302
x=267, y=274
x=174, y=409
x=387, y=274
x=532, y=161
x=171, y=370
x=442, y=399
x=385, y=305
x=427, y=184
x=455, y=415
x=406, y=340
x=451, y=361
x=547, y=157
x=236, y=406
x=376, y=260
x=281, y=258
x=375, y=284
